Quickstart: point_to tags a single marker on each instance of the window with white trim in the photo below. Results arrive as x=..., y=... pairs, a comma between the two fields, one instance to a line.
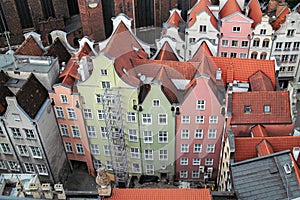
x=71, y=113
x=64, y=130
x=109, y=165
x=16, y=117
x=91, y=131
x=149, y=169
x=136, y=168
x=103, y=131
x=13, y=166
x=22, y=150
x=209, y=172
x=195, y=174
x=42, y=169
x=5, y=148
x=75, y=131
x=29, y=133
x=29, y=168
x=202, y=28
x=224, y=54
x=183, y=174
x=210, y=148
x=100, y=114
x=213, y=119
x=147, y=118
x=244, y=44
x=236, y=29
x=185, y=134
x=63, y=99
x=103, y=72
x=185, y=119
x=162, y=137
x=184, y=161
x=225, y=43
x=155, y=103
x=87, y=113
x=59, y=112
x=209, y=161
x=134, y=153
x=196, y=161
x=106, y=150
x=16, y=132
x=162, y=118
x=234, y=43
x=163, y=154
x=200, y=105
x=79, y=149
x=68, y=147
x=105, y=85
x=198, y=134
x=35, y=152
x=132, y=134
x=148, y=154
x=148, y=136
x=199, y=119
x=212, y=134
x=95, y=149
x=97, y=164
x=2, y=164
x=131, y=117
x=197, y=148
x=184, y=148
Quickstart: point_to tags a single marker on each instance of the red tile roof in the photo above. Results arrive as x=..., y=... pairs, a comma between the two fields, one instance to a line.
x=264, y=148
x=174, y=18
x=259, y=81
x=30, y=47
x=166, y=53
x=202, y=52
x=281, y=17
x=200, y=6
x=241, y=69
x=230, y=7
x=160, y=194
x=255, y=12
x=58, y=49
x=259, y=131
x=245, y=147
x=278, y=101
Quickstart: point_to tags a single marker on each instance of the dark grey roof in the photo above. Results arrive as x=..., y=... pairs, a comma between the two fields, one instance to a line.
x=265, y=178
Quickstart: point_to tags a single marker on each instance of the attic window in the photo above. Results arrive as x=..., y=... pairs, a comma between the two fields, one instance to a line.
x=247, y=109
x=16, y=117
x=267, y=108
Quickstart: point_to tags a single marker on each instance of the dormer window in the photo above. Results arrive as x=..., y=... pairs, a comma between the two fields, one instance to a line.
x=236, y=29
x=263, y=31
x=247, y=109
x=267, y=108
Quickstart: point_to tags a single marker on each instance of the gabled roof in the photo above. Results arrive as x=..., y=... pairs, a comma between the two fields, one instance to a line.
x=160, y=194
x=174, y=18
x=166, y=53
x=259, y=81
x=58, y=49
x=280, y=17
x=241, y=69
x=277, y=100
x=4, y=92
x=202, y=52
x=259, y=131
x=230, y=7
x=201, y=5
x=255, y=12
x=264, y=148
x=30, y=47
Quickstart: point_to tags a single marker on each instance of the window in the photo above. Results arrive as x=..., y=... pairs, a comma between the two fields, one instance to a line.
x=103, y=131
x=71, y=113
x=224, y=54
x=198, y=134
x=278, y=46
x=16, y=117
x=63, y=99
x=162, y=137
x=243, y=55
x=234, y=43
x=199, y=119
x=202, y=29
x=213, y=119
x=192, y=40
x=183, y=174
x=210, y=148
x=287, y=46
x=1, y=131
x=42, y=169
x=147, y=118
x=293, y=58
x=209, y=172
x=148, y=154
x=236, y=29
x=87, y=114
x=244, y=44
x=134, y=153
x=103, y=72
x=184, y=161
x=5, y=148
x=48, y=9
x=296, y=45
x=265, y=43
x=284, y=58
x=95, y=149
x=106, y=150
x=105, y=84
x=197, y=148
x=184, y=148
x=59, y=112
x=79, y=149
x=282, y=69
x=233, y=55
x=185, y=134
x=290, y=68
x=35, y=151
x=149, y=169
x=69, y=148
x=263, y=56
x=99, y=98
x=133, y=137
x=267, y=108
x=148, y=137
x=247, y=109
x=290, y=32
x=16, y=132
x=13, y=166
x=97, y=164
x=196, y=161
x=209, y=161
x=212, y=133
x=75, y=131
x=155, y=103
x=263, y=31
x=195, y=174
x=64, y=130
x=200, y=105
x=162, y=118
x=131, y=117
x=256, y=42
x=91, y=131
x=2, y=165
x=24, y=13
x=22, y=150
x=136, y=168
x=225, y=43
x=29, y=167
x=163, y=154
x=109, y=165
x=100, y=114
x=185, y=119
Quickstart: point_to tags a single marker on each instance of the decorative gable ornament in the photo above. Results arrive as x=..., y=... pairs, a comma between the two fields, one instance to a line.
x=92, y=3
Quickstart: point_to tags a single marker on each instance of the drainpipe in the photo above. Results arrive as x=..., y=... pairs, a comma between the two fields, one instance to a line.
x=133, y=14
x=140, y=140
x=13, y=146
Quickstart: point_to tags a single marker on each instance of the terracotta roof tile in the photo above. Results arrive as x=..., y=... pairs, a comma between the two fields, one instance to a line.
x=280, y=18
x=202, y=5
x=241, y=69
x=279, y=107
x=160, y=194
x=259, y=131
x=202, y=52
x=174, y=18
x=255, y=12
x=230, y=7
x=259, y=81
x=4, y=92
x=57, y=49
x=166, y=53
x=264, y=148
x=30, y=47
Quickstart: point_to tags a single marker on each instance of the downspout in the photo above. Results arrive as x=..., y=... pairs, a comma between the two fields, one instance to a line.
x=139, y=129
x=133, y=14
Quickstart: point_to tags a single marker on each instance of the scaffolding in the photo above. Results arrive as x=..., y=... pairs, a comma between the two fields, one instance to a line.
x=115, y=134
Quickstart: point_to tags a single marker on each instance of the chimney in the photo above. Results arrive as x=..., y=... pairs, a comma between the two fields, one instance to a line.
x=219, y=74
x=296, y=151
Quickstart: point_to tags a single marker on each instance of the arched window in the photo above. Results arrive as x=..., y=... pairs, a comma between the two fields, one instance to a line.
x=254, y=55
x=256, y=42
x=263, y=56
x=265, y=43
